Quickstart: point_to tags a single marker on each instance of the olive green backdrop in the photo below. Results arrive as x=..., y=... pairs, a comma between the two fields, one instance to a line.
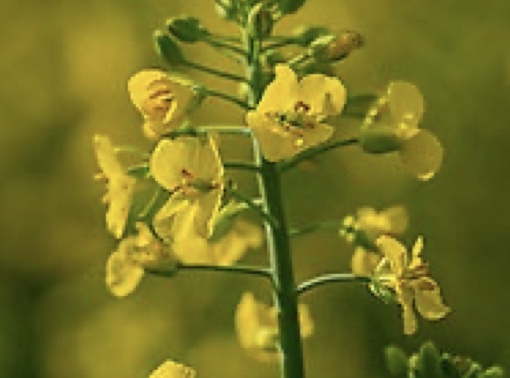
x=63, y=71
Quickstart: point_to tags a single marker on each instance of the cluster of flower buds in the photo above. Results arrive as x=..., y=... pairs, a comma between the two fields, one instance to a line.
x=431, y=363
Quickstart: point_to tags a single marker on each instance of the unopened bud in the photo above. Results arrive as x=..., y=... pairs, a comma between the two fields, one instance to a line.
x=186, y=29
x=168, y=49
x=226, y=9
x=260, y=21
x=333, y=48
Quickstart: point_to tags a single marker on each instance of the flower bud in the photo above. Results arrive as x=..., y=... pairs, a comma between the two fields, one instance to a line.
x=304, y=35
x=333, y=48
x=290, y=6
x=379, y=140
x=186, y=29
x=226, y=9
x=168, y=49
x=396, y=361
x=260, y=21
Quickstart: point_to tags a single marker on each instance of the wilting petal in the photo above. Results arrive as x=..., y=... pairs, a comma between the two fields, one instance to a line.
x=428, y=299
x=422, y=154
x=122, y=274
x=398, y=219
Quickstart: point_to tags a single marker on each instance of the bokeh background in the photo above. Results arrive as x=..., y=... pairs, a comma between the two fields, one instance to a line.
x=63, y=73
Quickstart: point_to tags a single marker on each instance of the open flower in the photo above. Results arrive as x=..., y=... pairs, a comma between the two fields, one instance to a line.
x=171, y=369
x=119, y=186
x=125, y=266
x=290, y=116
x=410, y=281
x=195, y=249
x=161, y=98
x=257, y=326
x=365, y=227
x=392, y=125
x=190, y=168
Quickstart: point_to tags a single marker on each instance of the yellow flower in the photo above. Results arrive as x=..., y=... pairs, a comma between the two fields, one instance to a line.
x=171, y=369
x=161, y=98
x=410, y=282
x=125, y=266
x=257, y=327
x=195, y=249
x=364, y=228
x=120, y=186
x=290, y=115
x=392, y=125
x=190, y=168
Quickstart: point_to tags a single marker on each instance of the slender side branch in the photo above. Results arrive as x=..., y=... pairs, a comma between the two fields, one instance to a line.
x=225, y=46
x=197, y=131
x=313, y=152
x=330, y=278
x=238, y=269
x=326, y=225
x=242, y=166
x=252, y=205
x=216, y=72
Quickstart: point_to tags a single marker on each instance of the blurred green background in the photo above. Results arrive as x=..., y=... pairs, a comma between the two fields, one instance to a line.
x=63, y=73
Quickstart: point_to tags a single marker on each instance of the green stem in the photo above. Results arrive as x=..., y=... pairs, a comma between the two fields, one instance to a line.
x=326, y=225
x=238, y=269
x=280, y=258
x=224, y=96
x=241, y=165
x=330, y=278
x=282, y=43
x=215, y=72
x=313, y=152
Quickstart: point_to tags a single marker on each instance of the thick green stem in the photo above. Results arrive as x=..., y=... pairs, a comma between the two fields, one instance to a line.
x=285, y=294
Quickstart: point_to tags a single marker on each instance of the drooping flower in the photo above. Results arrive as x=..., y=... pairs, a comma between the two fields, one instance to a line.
x=392, y=125
x=119, y=185
x=162, y=99
x=190, y=168
x=171, y=369
x=410, y=281
x=365, y=227
x=125, y=266
x=257, y=326
x=290, y=116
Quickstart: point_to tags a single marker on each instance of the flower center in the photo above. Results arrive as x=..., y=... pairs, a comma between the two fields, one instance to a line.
x=193, y=186
x=160, y=99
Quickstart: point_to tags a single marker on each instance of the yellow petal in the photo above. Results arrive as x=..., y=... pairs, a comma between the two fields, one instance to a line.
x=276, y=144
x=170, y=158
x=395, y=252
x=122, y=274
x=325, y=95
x=405, y=298
x=171, y=369
x=207, y=165
x=139, y=83
x=428, y=299
x=306, y=324
x=406, y=102
x=106, y=157
x=168, y=222
x=398, y=219
x=363, y=262
x=251, y=316
x=208, y=206
x=312, y=137
x=422, y=154
x=281, y=94
x=120, y=195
